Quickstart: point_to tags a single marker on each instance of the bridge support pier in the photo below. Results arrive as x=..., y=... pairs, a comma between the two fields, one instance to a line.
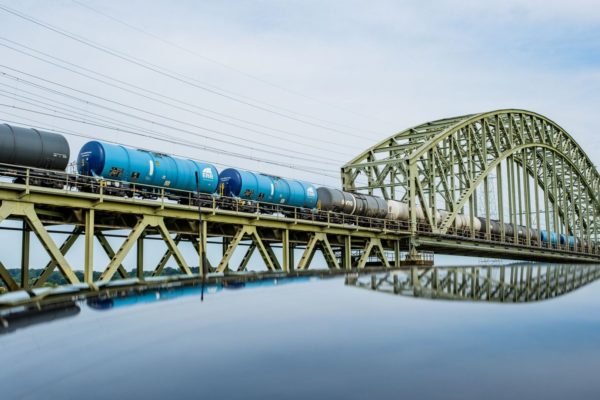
x=88, y=263
x=25, y=242
x=140, y=258
x=347, y=253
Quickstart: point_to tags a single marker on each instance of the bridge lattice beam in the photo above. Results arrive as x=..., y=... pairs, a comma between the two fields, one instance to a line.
x=540, y=176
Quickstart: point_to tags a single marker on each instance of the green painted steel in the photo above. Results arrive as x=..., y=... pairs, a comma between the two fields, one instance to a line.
x=544, y=179
x=513, y=166
x=494, y=284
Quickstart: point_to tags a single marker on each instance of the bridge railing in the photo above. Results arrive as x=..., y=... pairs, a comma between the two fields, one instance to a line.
x=30, y=177
x=70, y=182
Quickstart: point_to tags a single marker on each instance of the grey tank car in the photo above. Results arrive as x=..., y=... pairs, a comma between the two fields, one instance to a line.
x=33, y=148
x=362, y=205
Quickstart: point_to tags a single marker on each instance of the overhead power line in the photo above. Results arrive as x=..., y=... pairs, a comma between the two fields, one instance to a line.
x=160, y=98
x=172, y=140
x=87, y=115
x=27, y=121
x=229, y=67
x=264, y=149
x=164, y=71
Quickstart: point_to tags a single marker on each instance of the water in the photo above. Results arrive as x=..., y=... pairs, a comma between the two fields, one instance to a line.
x=309, y=339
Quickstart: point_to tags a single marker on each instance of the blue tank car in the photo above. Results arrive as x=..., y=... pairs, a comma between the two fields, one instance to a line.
x=252, y=186
x=125, y=164
x=570, y=240
x=550, y=237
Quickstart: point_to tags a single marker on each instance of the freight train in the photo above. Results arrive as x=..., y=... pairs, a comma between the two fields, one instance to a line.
x=125, y=171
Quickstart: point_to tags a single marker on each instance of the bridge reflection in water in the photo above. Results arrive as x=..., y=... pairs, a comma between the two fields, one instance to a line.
x=502, y=284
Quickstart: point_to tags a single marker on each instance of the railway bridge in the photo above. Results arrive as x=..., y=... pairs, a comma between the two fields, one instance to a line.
x=484, y=185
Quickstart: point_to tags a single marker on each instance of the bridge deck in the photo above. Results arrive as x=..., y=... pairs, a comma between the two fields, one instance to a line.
x=93, y=215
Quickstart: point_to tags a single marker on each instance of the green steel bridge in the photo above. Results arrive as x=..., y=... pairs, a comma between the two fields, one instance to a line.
x=493, y=284
x=513, y=166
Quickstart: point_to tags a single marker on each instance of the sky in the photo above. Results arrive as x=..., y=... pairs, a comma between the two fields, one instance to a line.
x=294, y=88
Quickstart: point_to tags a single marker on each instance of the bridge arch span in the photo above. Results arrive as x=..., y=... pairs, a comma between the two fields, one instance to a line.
x=510, y=166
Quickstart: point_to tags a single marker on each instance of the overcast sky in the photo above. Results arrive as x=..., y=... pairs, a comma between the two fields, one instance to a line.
x=282, y=82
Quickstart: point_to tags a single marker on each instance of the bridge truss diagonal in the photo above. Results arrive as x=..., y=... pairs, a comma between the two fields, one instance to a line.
x=542, y=179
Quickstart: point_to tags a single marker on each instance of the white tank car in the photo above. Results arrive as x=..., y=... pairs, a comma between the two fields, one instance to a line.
x=398, y=210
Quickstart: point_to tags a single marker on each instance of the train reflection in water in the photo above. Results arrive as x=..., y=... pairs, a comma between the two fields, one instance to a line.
x=135, y=297
x=502, y=284
x=47, y=310
x=24, y=317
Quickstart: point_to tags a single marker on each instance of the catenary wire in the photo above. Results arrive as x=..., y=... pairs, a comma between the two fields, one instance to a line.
x=71, y=110
x=27, y=121
x=163, y=96
x=172, y=140
x=224, y=141
x=163, y=71
x=227, y=66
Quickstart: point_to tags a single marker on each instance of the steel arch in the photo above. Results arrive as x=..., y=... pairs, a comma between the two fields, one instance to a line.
x=446, y=164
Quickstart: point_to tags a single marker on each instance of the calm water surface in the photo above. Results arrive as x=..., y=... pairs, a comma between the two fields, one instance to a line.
x=310, y=339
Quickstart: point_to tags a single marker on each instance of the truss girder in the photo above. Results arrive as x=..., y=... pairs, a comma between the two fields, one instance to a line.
x=265, y=250
x=143, y=223
x=27, y=212
x=544, y=177
x=318, y=241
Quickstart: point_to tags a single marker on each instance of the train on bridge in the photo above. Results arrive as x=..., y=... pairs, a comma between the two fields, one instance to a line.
x=123, y=171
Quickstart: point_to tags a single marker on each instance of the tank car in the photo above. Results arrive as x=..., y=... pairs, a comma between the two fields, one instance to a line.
x=147, y=170
x=571, y=240
x=509, y=229
x=549, y=237
x=33, y=148
x=362, y=205
x=252, y=186
x=398, y=211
